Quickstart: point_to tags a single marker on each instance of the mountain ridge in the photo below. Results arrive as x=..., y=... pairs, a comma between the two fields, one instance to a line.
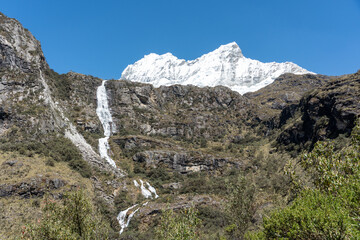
x=225, y=66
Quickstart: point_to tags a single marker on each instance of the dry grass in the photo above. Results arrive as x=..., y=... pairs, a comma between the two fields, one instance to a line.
x=15, y=211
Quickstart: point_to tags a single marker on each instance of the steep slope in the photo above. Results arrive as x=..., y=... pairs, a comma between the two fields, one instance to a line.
x=324, y=113
x=181, y=117
x=284, y=93
x=210, y=132
x=30, y=88
x=40, y=133
x=225, y=66
x=20, y=50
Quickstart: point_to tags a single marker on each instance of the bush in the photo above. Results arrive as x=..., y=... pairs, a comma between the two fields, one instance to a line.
x=181, y=226
x=60, y=84
x=57, y=148
x=329, y=210
x=123, y=201
x=62, y=149
x=203, y=143
x=213, y=219
x=313, y=215
x=240, y=206
x=73, y=218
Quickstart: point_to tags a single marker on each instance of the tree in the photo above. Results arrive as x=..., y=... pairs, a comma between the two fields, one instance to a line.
x=328, y=210
x=312, y=215
x=72, y=218
x=182, y=226
x=240, y=206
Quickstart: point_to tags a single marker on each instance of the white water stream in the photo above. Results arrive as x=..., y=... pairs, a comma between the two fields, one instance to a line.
x=152, y=190
x=104, y=115
x=147, y=193
x=122, y=218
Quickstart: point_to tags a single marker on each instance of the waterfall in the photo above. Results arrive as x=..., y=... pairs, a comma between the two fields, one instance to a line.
x=144, y=191
x=147, y=193
x=104, y=115
x=122, y=218
x=152, y=190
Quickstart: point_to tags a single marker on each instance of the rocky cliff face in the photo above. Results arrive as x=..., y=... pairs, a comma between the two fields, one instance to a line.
x=19, y=48
x=44, y=117
x=277, y=102
x=21, y=58
x=324, y=113
x=179, y=116
x=21, y=86
x=30, y=88
x=175, y=111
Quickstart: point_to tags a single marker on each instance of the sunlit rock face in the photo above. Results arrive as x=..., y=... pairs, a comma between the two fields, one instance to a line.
x=225, y=66
x=18, y=47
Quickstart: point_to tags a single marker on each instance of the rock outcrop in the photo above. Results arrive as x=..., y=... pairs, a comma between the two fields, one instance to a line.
x=278, y=101
x=35, y=187
x=324, y=113
x=176, y=111
x=183, y=162
x=29, y=89
x=18, y=47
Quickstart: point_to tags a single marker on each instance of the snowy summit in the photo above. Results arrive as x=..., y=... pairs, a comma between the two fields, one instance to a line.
x=225, y=66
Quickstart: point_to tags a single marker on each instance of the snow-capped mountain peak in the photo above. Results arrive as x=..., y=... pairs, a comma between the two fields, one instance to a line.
x=225, y=66
x=227, y=51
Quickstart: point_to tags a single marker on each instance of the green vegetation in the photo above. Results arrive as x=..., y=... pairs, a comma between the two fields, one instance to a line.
x=182, y=226
x=72, y=218
x=30, y=178
x=240, y=207
x=58, y=148
x=313, y=215
x=329, y=207
x=60, y=84
x=324, y=203
x=238, y=138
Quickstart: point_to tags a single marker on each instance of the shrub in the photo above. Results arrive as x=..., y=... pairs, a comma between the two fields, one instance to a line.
x=329, y=210
x=240, y=206
x=73, y=218
x=313, y=215
x=182, y=226
x=203, y=143
x=122, y=201
x=217, y=148
x=62, y=149
x=60, y=84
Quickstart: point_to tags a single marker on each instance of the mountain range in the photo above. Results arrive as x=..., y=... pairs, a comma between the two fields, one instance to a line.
x=225, y=66
x=184, y=130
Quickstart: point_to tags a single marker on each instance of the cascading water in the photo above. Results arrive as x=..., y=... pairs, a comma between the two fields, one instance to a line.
x=147, y=193
x=122, y=218
x=152, y=190
x=104, y=115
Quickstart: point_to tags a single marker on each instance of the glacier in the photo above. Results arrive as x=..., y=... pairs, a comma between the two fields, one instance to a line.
x=225, y=66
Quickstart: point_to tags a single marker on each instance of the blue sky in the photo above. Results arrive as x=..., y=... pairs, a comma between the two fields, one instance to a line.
x=102, y=37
